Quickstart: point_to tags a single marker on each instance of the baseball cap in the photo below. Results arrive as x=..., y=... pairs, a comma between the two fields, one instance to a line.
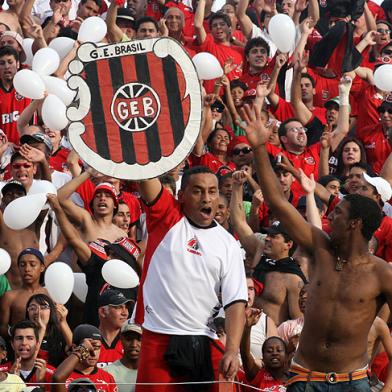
x=130, y=326
x=38, y=137
x=126, y=249
x=126, y=14
x=32, y=251
x=86, y=331
x=276, y=228
x=382, y=186
x=334, y=101
x=112, y=297
x=108, y=187
x=13, y=184
x=237, y=140
x=218, y=105
x=81, y=382
x=18, y=38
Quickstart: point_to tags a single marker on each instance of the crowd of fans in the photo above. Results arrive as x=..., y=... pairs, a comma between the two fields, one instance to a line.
x=330, y=136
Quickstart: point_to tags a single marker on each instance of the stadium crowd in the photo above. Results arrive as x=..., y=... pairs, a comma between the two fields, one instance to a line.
x=263, y=258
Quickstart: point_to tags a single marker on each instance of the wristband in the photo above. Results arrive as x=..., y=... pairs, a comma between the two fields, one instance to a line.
x=344, y=100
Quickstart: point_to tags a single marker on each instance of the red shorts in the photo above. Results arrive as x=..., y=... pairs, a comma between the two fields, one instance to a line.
x=152, y=366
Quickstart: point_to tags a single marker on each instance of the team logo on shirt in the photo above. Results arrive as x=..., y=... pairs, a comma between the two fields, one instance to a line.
x=310, y=160
x=193, y=246
x=18, y=97
x=325, y=94
x=137, y=114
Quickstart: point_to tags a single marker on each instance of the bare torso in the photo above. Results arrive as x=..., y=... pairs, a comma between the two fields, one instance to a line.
x=11, y=19
x=108, y=232
x=340, y=310
x=274, y=297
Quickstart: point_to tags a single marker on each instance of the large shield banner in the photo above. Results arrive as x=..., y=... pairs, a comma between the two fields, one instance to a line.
x=137, y=112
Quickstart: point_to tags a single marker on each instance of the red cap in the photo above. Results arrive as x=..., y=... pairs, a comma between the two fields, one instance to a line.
x=237, y=140
x=259, y=287
x=109, y=188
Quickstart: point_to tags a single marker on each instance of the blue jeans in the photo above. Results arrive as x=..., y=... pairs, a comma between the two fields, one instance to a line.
x=361, y=385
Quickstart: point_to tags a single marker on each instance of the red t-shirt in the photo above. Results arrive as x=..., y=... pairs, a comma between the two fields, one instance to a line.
x=31, y=379
x=308, y=161
x=285, y=110
x=209, y=160
x=251, y=80
x=264, y=381
x=104, y=381
x=110, y=354
x=86, y=192
x=58, y=159
x=376, y=146
x=384, y=238
x=326, y=88
x=12, y=105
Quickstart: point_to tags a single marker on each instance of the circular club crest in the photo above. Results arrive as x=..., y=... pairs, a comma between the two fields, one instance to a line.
x=135, y=107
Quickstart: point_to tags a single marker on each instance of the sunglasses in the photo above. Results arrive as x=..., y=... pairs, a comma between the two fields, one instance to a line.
x=383, y=110
x=383, y=31
x=18, y=166
x=387, y=52
x=244, y=150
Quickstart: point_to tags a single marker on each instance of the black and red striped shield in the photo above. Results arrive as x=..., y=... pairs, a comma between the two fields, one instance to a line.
x=137, y=112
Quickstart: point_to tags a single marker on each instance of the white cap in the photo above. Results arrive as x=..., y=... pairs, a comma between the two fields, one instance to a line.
x=382, y=186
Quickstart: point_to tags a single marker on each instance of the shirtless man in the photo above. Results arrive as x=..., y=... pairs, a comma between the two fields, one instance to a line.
x=348, y=287
x=281, y=286
x=31, y=265
x=103, y=205
x=10, y=17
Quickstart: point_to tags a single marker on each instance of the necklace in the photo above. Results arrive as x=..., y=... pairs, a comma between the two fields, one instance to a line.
x=339, y=263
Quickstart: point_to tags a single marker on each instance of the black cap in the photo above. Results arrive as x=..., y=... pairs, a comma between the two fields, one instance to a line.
x=126, y=14
x=32, y=251
x=80, y=383
x=218, y=105
x=86, y=331
x=302, y=202
x=276, y=228
x=112, y=297
x=13, y=184
x=37, y=137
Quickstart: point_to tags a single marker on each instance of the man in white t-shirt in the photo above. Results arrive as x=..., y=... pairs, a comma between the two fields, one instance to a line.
x=192, y=268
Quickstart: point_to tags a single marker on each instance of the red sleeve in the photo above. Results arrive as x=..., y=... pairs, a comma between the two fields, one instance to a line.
x=283, y=111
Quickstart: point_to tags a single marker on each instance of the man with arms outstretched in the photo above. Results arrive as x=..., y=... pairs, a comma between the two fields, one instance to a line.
x=348, y=287
x=192, y=267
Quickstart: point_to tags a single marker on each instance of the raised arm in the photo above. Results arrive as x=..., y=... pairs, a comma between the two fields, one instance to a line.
x=24, y=119
x=257, y=133
x=36, y=156
x=114, y=32
x=149, y=190
x=343, y=124
x=273, y=98
x=69, y=231
x=245, y=234
x=325, y=142
x=246, y=24
x=309, y=186
x=201, y=34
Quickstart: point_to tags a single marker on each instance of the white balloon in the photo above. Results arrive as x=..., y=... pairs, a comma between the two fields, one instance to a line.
x=383, y=77
x=27, y=44
x=23, y=211
x=59, y=88
x=207, y=66
x=42, y=186
x=80, y=287
x=46, y=61
x=5, y=261
x=54, y=113
x=29, y=84
x=92, y=29
x=62, y=45
x=59, y=281
x=281, y=29
x=119, y=274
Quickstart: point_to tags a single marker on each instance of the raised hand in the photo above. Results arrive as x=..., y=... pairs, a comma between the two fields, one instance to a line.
x=62, y=313
x=257, y=198
x=32, y=154
x=252, y=316
x=308, y=183
x=306, y=27
x=345, y=85
x=15, y=368
x=239, y=177
x=40, y=365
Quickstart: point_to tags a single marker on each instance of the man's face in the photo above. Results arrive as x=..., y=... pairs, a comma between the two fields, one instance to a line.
x=276, y=246
x=6, y=40
x=24, y=343
x=64, y=5
x=220, y=30
x=123, y=217
x=368, y=190
x=147, y=30
x=116, y=315
x=54, y=136
x=23, y=171
x=295, y=136
x=226, y=187
x=30, y=268
x=89, y=8
x=138, y=7
x=274, y=354
x=386, y=117
x=307, y=90
x=103, y=203
x=131, y=342
x=384, y=34
x=285, y=180
x=332, y=114
x=288, y=7
x=200, y=198
x=126, y=27
x=12, y=194
x=174, y=20
x=229, y=10
x=339, y=222
x=223, y=212
x=251, y=291
x=242, y=155
x=333, y=187
x=354, y=179
x=92, y=360
x=257, y=58
x=8, y=67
